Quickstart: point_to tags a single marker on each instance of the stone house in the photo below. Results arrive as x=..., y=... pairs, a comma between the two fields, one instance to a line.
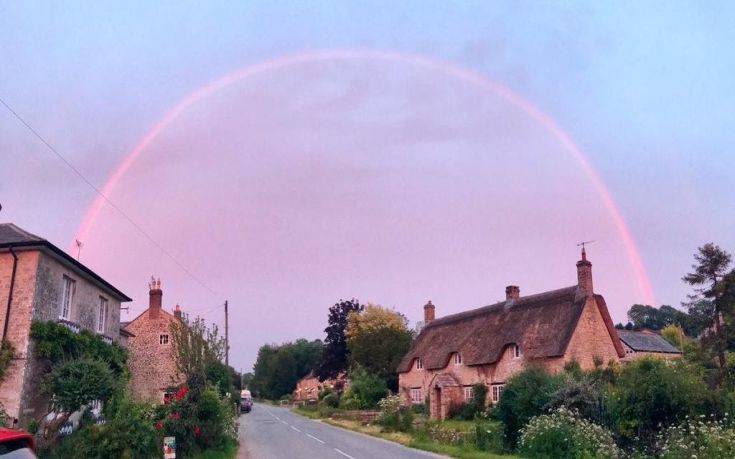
x=39, y=281
x=152, y=365
x=308, y=387
x=644, y=343
x=490, y=344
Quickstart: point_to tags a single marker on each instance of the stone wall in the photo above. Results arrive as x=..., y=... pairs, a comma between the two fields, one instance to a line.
x=21, y=313
x=152, y=364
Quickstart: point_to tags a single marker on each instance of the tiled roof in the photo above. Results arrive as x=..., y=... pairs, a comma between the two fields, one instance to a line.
x=647, y=342
x=541, y=325
x=12, y=236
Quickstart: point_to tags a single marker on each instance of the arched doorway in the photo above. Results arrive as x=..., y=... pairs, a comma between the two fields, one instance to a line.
x=444, y=391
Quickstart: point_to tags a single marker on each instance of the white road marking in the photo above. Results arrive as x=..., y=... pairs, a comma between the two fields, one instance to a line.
x=294, y=428
x=343, y=453
x=284, y=422
x=314, y=438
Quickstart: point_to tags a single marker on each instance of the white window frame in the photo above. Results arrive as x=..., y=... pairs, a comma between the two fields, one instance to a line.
x=497, y=392
x=417, y=397
x=457, y=358
x=468, y=393
x=102, y=315
x=517, y=353
x=419, y=363
x=163, y=339
x=68, y=288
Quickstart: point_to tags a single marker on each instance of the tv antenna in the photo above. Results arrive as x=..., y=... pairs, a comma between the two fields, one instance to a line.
x=79, y=248
x=583, y=243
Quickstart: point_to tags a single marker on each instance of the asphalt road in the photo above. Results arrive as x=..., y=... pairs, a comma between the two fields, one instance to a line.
x=270, y=432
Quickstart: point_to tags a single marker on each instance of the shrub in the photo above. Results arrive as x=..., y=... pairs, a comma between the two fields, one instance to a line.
x=365, y=390
x=78, y=382
x=650, y=393
x=584, y=395
x=129, y=433
x=564, y=434
x=488, y=436
x=525, y=395
x=473, y=408
x=7, y=352
x=331, y=400
x=697, y=438
x=445, y=433
x=393, y=416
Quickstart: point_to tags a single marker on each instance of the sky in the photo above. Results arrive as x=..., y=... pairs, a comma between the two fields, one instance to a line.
x=378, y=179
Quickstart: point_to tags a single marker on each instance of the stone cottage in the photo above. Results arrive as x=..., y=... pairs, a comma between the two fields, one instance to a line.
x=308, y=388
x=644, y=343
x=489, y=344
x=152, y=365
x=39, y=281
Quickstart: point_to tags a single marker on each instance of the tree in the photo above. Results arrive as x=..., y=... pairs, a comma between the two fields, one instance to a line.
x=334, y=360
x=78, y=382
x=377, y=339
x=197, y=348
x=278, y=368
x=692, y=322
x=708, y=272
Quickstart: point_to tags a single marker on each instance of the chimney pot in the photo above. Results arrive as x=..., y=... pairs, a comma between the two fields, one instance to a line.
x=155, y=298
x=512, y=292
x=429, y=312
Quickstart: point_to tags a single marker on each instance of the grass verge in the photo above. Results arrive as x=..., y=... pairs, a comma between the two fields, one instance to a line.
x=228, y=452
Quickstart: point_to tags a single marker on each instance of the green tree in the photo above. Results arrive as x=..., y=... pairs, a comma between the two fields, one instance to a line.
x=526, y=394
x=365, y=390
x=707, y=276
x=377, y=339
x=78, y=382
x=278, y=368
x=197, y=347
x=334, y=359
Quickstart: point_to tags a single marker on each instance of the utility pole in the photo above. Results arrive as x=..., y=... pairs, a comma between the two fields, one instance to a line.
x=227, y=335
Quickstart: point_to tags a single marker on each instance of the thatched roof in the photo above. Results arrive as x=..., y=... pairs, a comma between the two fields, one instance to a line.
x=541, y=325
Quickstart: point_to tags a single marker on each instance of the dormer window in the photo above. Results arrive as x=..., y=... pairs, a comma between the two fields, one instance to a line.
x=517, y=351
x=419, y=364
x=457, y=358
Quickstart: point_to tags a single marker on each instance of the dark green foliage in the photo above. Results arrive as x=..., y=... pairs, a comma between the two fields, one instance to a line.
x=128, y=433
x=78, y=382
x=365, y=391
x=331, y=400
x=650, y=393
x=525, y=395
x=584, y=394
x=7, y=352
x=278, y=368
x=56, y=343
x=380, y=351
x=474, y=407
x=488, y=435
x=334, y=360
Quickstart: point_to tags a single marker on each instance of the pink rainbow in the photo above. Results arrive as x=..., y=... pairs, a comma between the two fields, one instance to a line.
x=462, y=74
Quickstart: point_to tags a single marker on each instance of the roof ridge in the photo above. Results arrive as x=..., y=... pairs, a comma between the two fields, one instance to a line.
x=451, y=318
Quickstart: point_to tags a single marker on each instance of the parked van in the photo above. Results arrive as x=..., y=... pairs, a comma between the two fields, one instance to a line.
x=246, y=401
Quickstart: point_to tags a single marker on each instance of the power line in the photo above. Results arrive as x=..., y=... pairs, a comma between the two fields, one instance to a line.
x=107, y=200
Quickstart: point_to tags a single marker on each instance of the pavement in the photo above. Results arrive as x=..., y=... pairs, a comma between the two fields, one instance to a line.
x=270, y=432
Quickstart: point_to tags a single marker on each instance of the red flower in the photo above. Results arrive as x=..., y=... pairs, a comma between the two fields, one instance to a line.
x=159, y=425
x=197, y=431
x=181, y=393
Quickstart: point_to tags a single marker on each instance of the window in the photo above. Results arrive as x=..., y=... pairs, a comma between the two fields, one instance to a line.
x=458, y=359
x=497, y=392
x=517, y=351
x=419, y=364
x=163, y=339
x=67, y=294
x=102, y=317
x=468, y=393
x=416, y=396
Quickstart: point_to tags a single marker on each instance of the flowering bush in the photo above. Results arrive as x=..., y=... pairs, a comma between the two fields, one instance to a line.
x=697, y=438
x=393, y=416
x=443, y=432
x=564, y=434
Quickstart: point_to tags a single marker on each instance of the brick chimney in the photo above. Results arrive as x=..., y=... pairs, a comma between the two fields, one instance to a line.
x=512, y=292
x=177, y=312
x=155, y=297
x=429, y=312
x=584, y=275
